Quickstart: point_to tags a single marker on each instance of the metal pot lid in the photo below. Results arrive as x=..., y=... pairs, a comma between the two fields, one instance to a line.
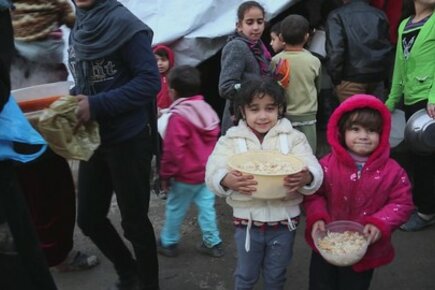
x=420, y=132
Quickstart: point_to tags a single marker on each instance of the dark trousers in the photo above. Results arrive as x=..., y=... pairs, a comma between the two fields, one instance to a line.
x=123, y=168
x=422, y=172
x=325, y=276
x=29, y=270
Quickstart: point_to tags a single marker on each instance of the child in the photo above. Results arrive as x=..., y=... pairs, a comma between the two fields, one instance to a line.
x=244, y=57
x=189, y=138
x=165, y=61
x=304, y=77
x=265, y=229
x=414, y=79
x=358, y=48
x=361, y=184
x=275, y=41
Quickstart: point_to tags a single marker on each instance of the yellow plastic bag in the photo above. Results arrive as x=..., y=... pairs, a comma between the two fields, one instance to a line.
x=56, y=124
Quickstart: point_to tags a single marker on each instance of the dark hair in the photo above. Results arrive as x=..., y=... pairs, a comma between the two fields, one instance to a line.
x=294, y=28
x=260, y=88
x=276, y=28
x=162, y=53
x=365, y=117
x=185, y=80
x=245, y=6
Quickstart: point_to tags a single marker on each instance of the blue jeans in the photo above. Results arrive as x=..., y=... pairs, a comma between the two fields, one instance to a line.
x=270, y=252
x=180, y=197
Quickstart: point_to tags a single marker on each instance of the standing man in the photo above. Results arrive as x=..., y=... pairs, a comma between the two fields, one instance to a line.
x=358, y=49
x=117, y=81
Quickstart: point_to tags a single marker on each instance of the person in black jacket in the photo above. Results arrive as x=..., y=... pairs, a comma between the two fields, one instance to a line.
x=358, y=48
x=22, y=262
x=116, y=84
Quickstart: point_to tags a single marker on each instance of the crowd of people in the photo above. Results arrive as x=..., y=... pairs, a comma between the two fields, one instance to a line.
x=146, y=104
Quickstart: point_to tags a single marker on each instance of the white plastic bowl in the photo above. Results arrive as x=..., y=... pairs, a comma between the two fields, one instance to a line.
x=338, y=255
x=269, y=185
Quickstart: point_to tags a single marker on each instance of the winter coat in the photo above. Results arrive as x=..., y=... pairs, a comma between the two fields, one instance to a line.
x=357, y=43
x=244, y=206
x=380, y=196
x=189, y=139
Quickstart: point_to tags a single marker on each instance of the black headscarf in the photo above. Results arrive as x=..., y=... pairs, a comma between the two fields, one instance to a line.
x=103, y=28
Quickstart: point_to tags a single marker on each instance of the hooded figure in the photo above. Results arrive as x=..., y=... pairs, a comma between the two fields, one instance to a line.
x=378, y=193
x=165, y=62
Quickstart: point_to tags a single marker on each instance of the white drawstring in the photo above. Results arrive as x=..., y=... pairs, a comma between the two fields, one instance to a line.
x=248, y=236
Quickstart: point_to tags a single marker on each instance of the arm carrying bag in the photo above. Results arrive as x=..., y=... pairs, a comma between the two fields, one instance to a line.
x=15, y=128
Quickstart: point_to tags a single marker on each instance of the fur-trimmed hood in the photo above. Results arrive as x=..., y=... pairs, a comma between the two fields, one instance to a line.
x=382, y=152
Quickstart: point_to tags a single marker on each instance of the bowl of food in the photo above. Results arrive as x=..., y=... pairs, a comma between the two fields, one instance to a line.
x=269, y=169
x=342, y=243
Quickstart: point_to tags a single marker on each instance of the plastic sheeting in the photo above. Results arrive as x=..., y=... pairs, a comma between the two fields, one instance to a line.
x=195, y=29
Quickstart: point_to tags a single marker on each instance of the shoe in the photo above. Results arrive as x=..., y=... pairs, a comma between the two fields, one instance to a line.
x=167, y=251
x=77, y=261
x=163, y=195
x=7, y=245
x=216, y=251
x=416, y=223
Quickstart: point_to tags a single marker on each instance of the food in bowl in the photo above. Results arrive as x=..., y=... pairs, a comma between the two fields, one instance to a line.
x=342, y=245
x=269, y=169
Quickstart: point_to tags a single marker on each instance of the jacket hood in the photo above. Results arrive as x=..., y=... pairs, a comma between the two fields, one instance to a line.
x=197, y=111
x=382, y=152
x=168, y=51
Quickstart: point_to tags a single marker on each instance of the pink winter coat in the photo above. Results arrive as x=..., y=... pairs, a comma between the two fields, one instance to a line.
x=190, y=137
x=381, y=196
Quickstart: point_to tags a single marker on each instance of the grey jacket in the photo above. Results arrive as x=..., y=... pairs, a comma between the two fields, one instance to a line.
x=238, y=64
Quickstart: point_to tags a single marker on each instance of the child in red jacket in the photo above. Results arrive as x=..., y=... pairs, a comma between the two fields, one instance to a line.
x=190, y=130
x=361, y=183
x=165, y=61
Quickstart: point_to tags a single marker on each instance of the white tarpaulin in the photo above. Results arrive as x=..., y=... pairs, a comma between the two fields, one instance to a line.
x=195, y=29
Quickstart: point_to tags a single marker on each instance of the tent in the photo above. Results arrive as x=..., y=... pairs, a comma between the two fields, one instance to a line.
x=195, y=29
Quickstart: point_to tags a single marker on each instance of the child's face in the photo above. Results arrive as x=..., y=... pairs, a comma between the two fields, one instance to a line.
x=276, y=42
x=252, y=25
x=162, y=63
x=261, y=114
x=360, y=140
x=84, y=3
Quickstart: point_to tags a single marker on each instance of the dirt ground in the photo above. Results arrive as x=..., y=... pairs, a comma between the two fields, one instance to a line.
x=412, y=269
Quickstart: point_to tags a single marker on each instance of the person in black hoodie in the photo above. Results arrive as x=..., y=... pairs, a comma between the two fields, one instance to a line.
x=116, y=83
x=22, y=262
x=359, y=52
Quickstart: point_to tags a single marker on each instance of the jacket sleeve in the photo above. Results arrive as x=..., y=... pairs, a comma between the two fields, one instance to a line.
x=398, y=208
x=315, y=209
x=232, y=67
x=301, y=148
x=140, y=90
x=174, y=145
x=397, y=82
x=217, y=167
x=335, y=47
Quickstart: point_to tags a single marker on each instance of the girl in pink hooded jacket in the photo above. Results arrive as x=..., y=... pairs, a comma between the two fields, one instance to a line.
x=361, y=183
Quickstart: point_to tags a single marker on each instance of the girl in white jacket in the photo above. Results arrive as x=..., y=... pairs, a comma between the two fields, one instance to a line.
x=265, y=229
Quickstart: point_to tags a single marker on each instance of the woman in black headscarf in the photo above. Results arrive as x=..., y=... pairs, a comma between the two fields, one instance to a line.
x=117, y=81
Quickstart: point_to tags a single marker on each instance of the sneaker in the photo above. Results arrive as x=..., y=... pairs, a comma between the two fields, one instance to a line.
x=167, y=251
x=77, y=261
x=416, y=223
x=216, y=251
